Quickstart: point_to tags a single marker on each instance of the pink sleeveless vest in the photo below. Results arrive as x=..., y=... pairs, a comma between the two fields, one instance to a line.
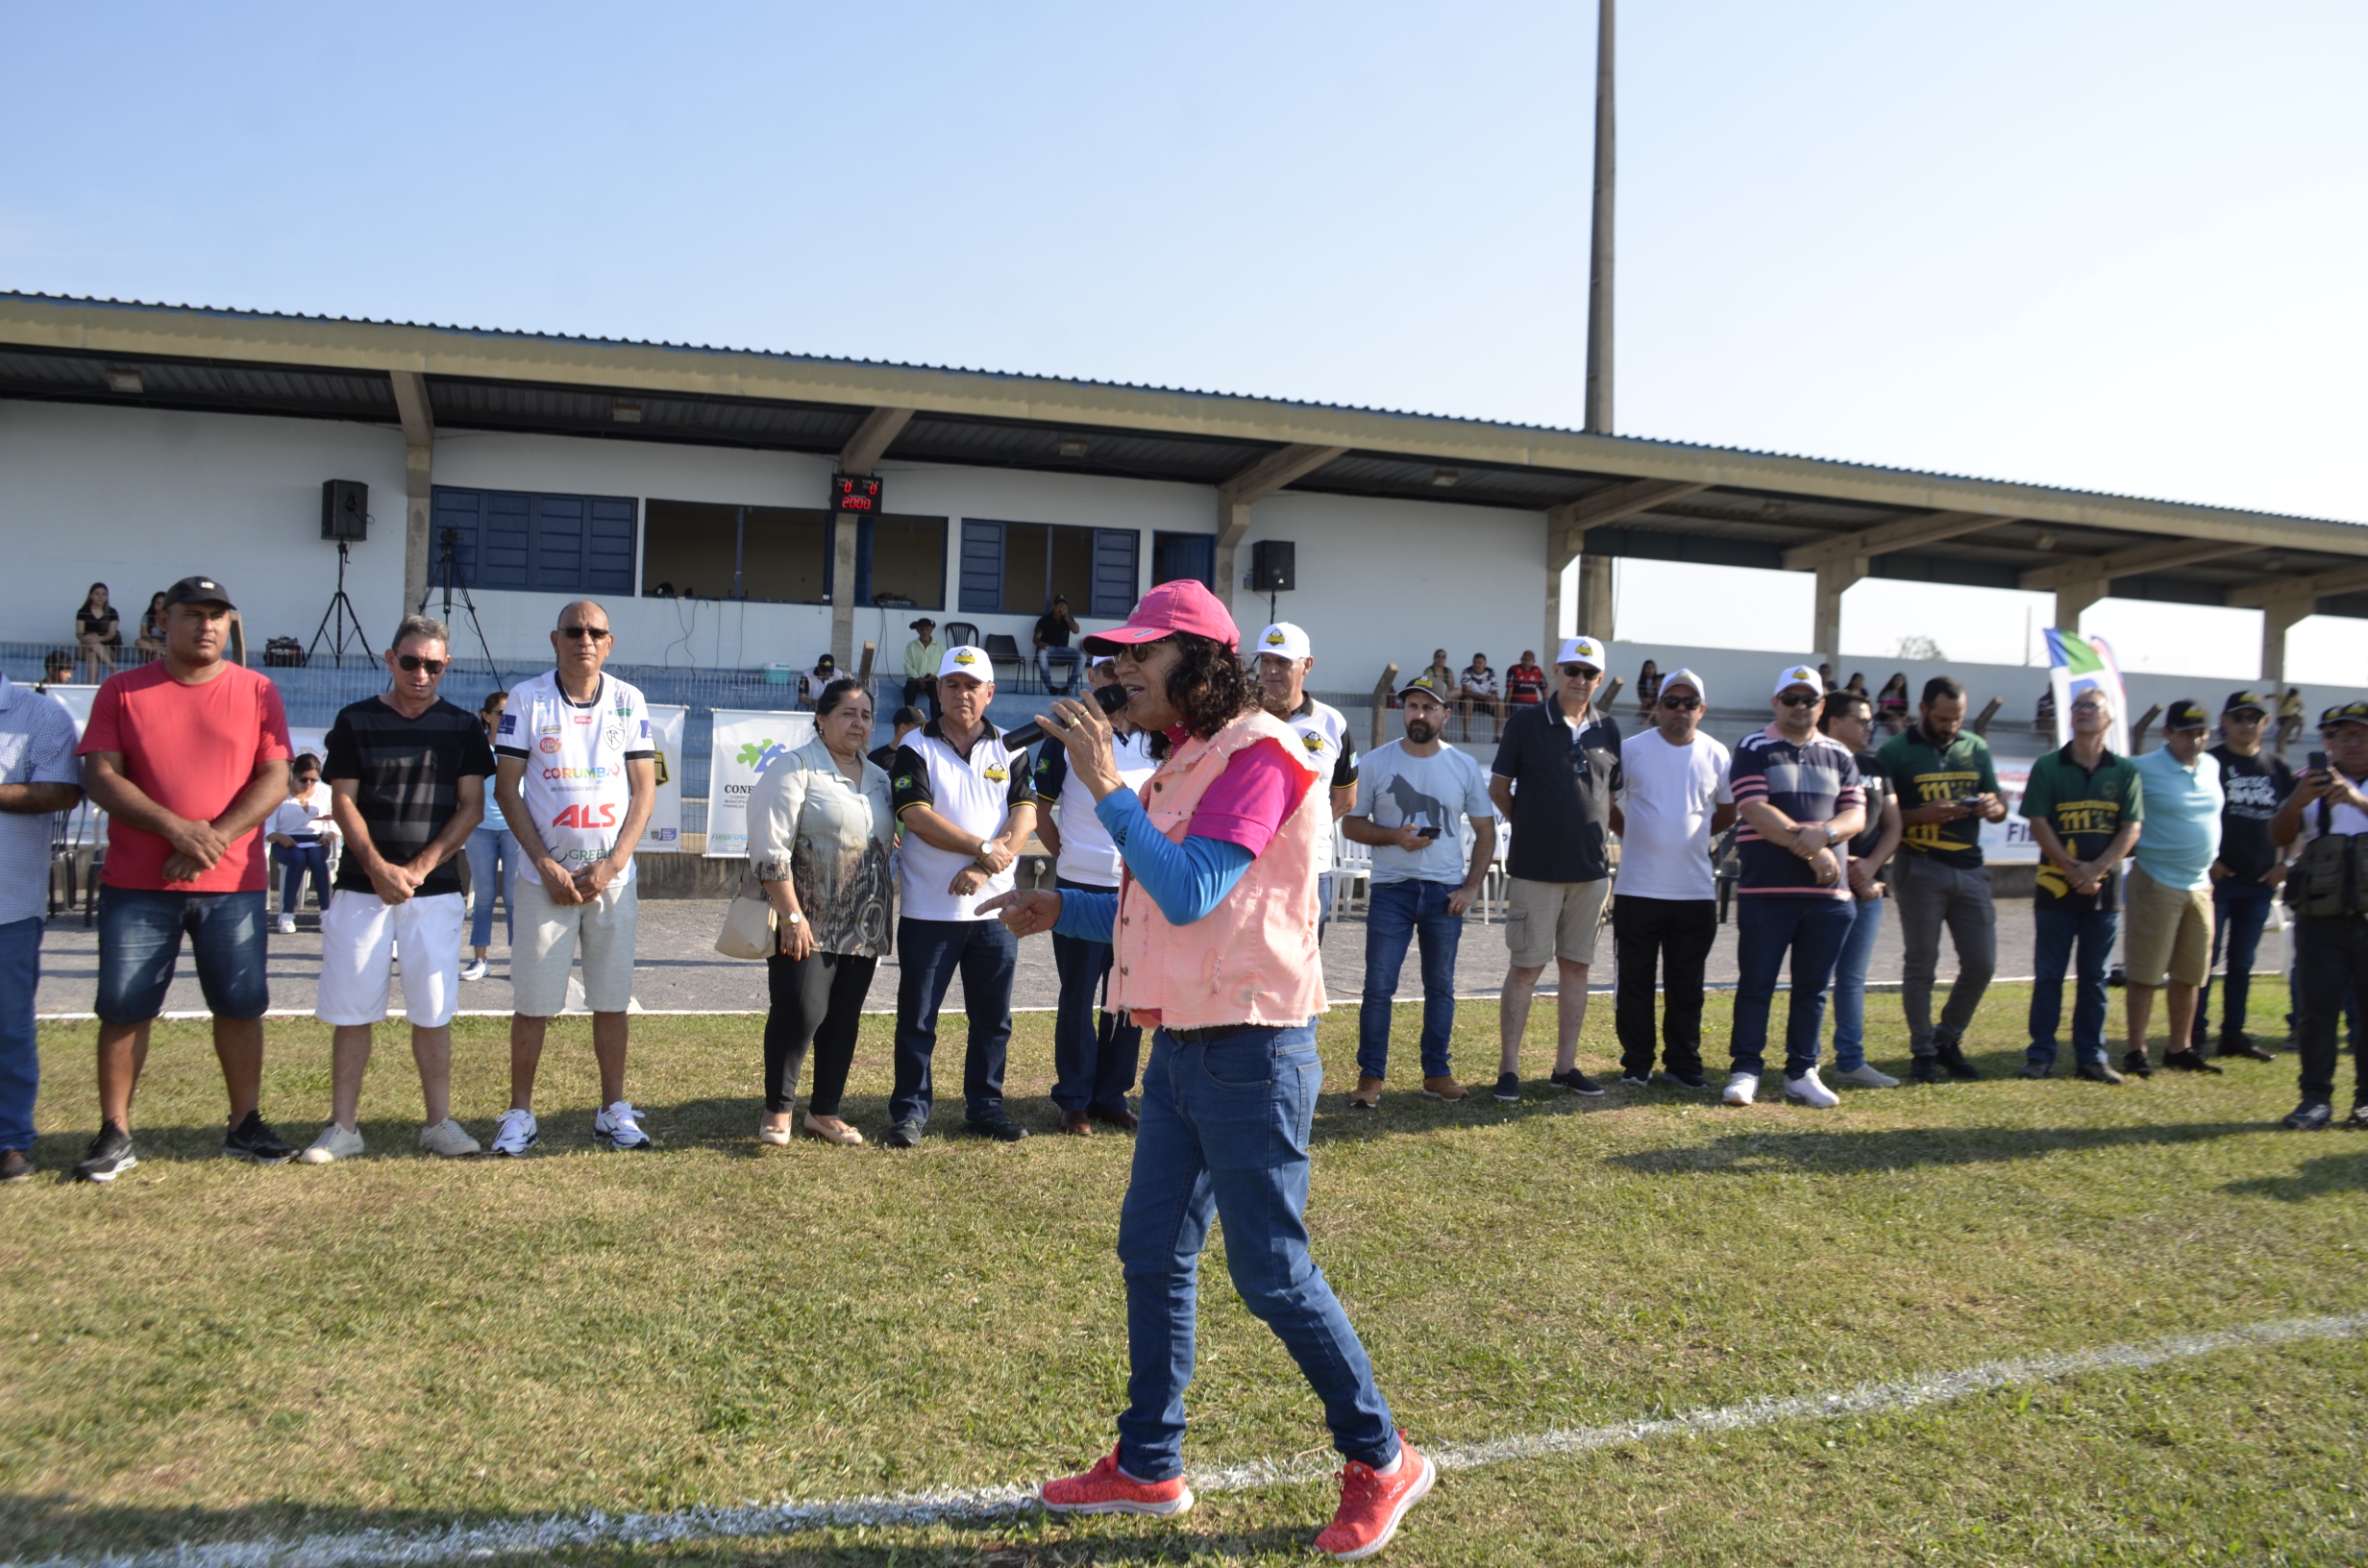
x=1252, y=959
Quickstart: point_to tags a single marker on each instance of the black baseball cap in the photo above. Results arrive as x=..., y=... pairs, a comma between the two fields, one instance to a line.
x=2238, y=701
x=2185, y=714
x=2347, y=713
x=198, y=591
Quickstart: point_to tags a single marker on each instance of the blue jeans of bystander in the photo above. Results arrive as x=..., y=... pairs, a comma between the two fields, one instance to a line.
x=928, y=953
x=1397, y=914
x=1811, y=929
x=1850, y=984
x=21, y=1062
x=2060, y=932
x=1094, y=1053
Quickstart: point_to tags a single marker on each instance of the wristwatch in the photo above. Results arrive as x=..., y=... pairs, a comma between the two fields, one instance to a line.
x=794, y=918
x=1832, y=837
x=986, y=855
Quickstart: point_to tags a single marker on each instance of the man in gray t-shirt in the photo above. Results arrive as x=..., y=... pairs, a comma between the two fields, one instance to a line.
x=1412, y=796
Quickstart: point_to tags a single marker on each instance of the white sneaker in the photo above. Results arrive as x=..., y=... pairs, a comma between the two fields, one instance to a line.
x=617, y=1128
x=1866, y=1077
x=1807, y=1090
x=287, y=925
x=334, y=1144
x=1743, y=1088
x=472, y=969
x=518, y=1132
x=448, y=1139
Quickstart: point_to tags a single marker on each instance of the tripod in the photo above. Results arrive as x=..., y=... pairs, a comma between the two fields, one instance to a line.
x=341, y=611
x=447, y=573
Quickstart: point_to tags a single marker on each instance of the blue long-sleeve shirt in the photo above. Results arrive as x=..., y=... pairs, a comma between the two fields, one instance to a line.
x=1186, y=880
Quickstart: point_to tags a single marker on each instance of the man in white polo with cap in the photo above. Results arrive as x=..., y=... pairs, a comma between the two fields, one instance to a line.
x=1284, y=658
x=967, y=805
x=1673, y=800
x=1564, y=755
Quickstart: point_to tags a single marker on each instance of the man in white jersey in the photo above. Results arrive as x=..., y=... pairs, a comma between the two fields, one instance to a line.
x=1093, y=1055
x=967, y=806
x=1284, y=657
x=577, y=778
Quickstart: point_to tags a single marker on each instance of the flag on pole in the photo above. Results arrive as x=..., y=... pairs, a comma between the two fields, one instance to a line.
x=2076, y=664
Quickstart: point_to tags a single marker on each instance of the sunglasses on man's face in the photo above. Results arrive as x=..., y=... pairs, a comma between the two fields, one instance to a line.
x=1681, y=704
x=1800, y=701
x=408, y=662
x=596, y=633
x=1580, y=672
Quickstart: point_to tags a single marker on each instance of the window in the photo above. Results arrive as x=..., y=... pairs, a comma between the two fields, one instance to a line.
x=699, y=550
x=538, y=543
x=1019, y=568
x=901, y=560
x=1177, y=555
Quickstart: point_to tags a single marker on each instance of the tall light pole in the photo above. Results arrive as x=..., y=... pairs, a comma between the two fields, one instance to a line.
x=1599, y=259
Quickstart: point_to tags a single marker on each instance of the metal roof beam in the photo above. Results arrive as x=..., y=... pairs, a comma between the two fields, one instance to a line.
x=2318, y=586
x=2129, y=563
x=872, y=439
x=1275, y=470
x=1883, y=539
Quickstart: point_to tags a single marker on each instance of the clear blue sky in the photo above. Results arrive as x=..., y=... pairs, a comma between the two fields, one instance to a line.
x=2111, y=245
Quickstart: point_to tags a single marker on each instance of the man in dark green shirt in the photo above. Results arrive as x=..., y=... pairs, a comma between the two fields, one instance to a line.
x=1947, y=787
x=2085, y=805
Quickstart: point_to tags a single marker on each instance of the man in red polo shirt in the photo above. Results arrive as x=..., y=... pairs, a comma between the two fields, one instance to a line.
x=186, y=756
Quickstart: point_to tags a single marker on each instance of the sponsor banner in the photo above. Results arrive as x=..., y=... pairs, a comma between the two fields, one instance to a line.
x=2010, y=843
x=746, y=744
x=664, y=834
x=2077, y=663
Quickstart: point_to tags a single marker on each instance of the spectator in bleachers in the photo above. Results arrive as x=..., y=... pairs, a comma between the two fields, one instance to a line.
x=2085, y=808
x=58, y=669
x=1439, y=671
x=1947, y=787
x=1856, y=686
x=1850, y=719
x=1475, y=692
x=904, y=721
x=1673, y=802
x=150, y=644
x=1563, y=756
x=1413, y=797
x=921, y=656
x=493, y=859
x=1525, y=683
x=38, y=778
x=2289, y=718
x=99, y=630
x=2043, y=717
x=817, y=680
x=2167, y=940
x=1285, y=659
x=2249, y=868
x=1798, y=795
x=1648, y=690
x=301, y=830
x=1053, y=630
x=1891, y=703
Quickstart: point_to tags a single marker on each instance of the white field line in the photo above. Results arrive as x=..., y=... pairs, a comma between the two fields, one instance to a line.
x=459, y=1543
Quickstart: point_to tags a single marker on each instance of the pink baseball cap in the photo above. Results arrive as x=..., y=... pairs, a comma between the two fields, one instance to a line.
x=1181, y=605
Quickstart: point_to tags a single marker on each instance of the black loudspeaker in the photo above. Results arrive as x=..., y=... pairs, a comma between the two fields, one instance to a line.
x=1271, y=564
x=345, y=510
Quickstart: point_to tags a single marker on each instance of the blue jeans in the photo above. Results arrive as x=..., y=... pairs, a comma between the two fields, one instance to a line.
x=1396, y=913
x=1323, y=904
x=1768, y=926
x=930, y=952
x=1068, y=657
x=493, y=857
x=2060, y=931
x=298, y=861
x=1850, y=984
x=2239, y=911
x=20, y=1061
x=1094, y=1053
x=139, y=947
x=1225, y=1134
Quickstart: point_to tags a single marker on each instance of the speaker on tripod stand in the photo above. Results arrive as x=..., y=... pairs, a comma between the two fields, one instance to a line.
x=345, y=518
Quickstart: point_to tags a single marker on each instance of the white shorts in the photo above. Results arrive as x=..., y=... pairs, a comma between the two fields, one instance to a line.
x=545, y=947
x=359, y=932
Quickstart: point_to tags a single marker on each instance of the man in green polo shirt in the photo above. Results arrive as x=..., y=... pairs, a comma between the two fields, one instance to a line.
x=2085, y=805
x=1947, y=787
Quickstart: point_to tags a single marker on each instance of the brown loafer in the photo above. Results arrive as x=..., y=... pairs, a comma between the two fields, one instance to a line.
x=1124, y=1119
x=1076, y=1124
x=1442, y=1088
x=1368, y=1093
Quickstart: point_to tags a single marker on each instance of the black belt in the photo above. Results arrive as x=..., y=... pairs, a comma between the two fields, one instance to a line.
x=1215, y=1031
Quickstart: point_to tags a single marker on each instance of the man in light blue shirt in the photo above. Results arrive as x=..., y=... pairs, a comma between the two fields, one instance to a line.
x=39, y=777
x=2167, y=932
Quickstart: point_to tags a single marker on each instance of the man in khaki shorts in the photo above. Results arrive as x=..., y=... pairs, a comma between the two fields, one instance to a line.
x=2166, y=934
x=1564, y=756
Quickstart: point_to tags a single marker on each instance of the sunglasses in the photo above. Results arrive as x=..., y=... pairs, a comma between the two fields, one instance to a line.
x=413, y=661
x=1800, y=701
x=1681, y=704
x=1581, y=672
x=596, y=633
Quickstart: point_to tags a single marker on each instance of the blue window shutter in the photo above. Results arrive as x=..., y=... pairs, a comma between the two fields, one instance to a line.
x=1175, y=556
x=609, y=544
x=1114, y=572
x=982, y=567
x=461, y=511
x=559, y=543
x=509, y=519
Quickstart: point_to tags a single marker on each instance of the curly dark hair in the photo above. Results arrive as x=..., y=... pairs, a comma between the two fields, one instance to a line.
x=1210, y=687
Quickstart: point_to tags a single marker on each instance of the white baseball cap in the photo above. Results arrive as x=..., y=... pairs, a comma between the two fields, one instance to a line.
x=1285, y=640
x=1797, y=674
x=1581, y=651
x=1685, y=678
x=966, y=660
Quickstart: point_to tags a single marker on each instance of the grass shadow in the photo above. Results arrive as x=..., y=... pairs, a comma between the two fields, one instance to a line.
x=2316, y=1179
x=1857, y=1151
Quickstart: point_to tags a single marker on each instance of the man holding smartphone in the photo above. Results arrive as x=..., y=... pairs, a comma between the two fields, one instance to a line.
x=2327, y=815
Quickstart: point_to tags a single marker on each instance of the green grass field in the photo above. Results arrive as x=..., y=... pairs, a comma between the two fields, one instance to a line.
x=213, y=1352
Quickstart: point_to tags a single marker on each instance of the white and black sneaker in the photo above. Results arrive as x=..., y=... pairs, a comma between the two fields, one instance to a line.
x=1743, y=1088
x=111, y=1156
x=518, y=1132
x=1635, y=1080
x=253, y=1141
x=618, y=1128
x=1810, y=1090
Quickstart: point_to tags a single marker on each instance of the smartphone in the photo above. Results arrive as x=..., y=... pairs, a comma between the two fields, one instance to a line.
x=2318, y=762
x=1427, y=833
x=1971, y=803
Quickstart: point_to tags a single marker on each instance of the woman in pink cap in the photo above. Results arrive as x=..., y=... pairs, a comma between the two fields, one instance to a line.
x=1214, y=924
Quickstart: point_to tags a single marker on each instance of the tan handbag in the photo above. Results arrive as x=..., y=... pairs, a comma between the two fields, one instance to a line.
x=748, y=928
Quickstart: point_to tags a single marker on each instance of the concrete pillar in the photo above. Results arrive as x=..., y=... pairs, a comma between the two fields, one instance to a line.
x=1596, y=600
x=1834, y=579
x=843, y=589
x=419, y=548
x=2278, y=618
x=1232, y=527
x=2073, y=598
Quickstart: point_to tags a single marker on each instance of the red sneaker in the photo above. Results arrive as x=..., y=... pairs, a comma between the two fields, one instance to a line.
x=1372, y=1504
x=1106, y=1490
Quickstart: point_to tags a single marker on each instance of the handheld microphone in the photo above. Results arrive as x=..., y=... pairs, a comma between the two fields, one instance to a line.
x=1111, y=698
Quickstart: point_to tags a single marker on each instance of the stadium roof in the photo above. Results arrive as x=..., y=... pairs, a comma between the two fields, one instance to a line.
x=1618, y=496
